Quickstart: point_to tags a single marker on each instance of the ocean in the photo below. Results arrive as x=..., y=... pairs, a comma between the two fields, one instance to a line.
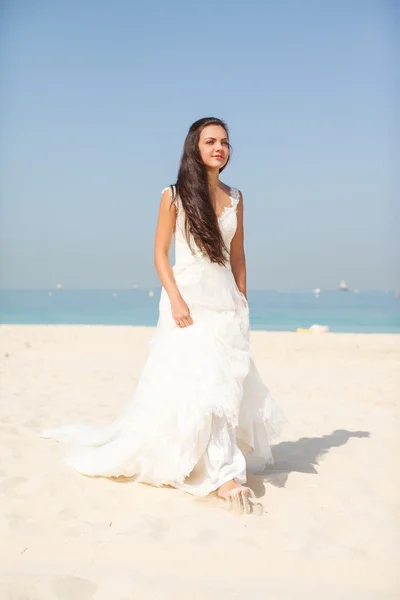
x=365, y=312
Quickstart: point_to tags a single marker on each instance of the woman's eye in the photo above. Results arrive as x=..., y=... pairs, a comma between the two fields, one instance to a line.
x=226, y=143
x=209, y=142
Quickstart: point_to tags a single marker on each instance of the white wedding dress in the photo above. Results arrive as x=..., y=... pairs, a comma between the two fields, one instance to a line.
x=200, y=405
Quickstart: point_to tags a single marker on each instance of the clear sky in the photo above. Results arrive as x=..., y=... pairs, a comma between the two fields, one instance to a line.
x=97, y=97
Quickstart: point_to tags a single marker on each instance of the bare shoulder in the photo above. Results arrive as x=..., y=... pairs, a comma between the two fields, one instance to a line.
x=168, y=197
x=170, y=189
x=232, y=191
x=237, y=197
x=168, y=192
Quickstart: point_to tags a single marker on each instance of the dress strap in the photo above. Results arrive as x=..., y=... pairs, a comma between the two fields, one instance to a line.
x=235, y=197
x=171, y=189
x=174, y=197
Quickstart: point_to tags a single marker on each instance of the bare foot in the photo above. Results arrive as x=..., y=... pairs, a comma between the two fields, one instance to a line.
x=237, y=496
x=240, y=499
x=229, y=486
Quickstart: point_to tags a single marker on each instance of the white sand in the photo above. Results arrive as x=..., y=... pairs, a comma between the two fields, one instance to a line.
x=331, y=522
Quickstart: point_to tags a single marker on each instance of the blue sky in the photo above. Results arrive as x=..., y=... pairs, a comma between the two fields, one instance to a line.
x=97, y=98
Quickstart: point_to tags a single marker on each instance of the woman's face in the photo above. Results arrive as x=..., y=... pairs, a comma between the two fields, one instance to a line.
x=214, y=146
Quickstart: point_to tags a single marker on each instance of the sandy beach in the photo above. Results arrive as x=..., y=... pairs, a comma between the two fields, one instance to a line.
x=331, y=503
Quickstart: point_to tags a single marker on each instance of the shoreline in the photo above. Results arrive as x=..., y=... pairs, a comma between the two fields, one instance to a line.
x=150, y=327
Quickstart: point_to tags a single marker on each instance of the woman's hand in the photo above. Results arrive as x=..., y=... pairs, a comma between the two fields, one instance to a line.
x=180, y=312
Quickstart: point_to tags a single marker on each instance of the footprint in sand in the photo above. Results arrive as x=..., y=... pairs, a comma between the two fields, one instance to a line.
x=74, y=587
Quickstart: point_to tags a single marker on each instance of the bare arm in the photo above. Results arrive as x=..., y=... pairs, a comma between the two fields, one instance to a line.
x=238, y=258
x=164, y=232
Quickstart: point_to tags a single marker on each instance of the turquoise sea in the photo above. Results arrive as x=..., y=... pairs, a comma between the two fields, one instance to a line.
x=367, y=312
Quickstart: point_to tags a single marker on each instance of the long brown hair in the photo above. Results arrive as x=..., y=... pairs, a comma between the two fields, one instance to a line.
x=192, y=188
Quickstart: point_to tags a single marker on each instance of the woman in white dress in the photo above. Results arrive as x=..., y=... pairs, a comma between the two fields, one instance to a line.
x=200, y=406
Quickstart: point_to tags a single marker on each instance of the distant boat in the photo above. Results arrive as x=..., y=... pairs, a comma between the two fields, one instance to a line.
x=59, y=286
x=134, y=286
x=343, y=286
x=317, y=292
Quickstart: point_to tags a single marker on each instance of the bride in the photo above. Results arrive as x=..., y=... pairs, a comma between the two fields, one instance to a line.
x=200, y=415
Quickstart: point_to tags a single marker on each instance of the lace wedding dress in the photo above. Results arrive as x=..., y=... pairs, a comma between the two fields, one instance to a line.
x=200, y=405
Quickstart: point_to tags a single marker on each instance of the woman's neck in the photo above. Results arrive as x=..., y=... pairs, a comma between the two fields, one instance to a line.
x=213, y=181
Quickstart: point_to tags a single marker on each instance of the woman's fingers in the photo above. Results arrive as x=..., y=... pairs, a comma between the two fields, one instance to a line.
x=184, y=321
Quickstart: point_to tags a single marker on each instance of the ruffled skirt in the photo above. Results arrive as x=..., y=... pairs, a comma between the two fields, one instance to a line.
x=200, y=406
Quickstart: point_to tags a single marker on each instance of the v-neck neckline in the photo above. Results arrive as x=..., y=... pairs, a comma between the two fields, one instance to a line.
x=227, y=206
